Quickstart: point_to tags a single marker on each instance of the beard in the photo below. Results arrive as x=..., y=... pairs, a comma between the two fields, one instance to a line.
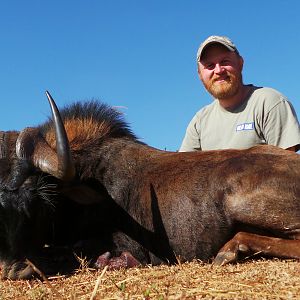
x=226, y=89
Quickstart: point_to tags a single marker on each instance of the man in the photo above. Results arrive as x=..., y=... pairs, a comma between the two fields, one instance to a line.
x=241, y=116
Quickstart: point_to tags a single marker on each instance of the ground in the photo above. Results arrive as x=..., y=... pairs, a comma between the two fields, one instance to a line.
x=256, y=279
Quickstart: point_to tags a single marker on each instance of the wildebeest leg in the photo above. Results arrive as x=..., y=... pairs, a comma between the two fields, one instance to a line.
x=249, y=243
x=125, y=253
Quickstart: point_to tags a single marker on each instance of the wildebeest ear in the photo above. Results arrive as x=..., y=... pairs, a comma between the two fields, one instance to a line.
x=3, y=145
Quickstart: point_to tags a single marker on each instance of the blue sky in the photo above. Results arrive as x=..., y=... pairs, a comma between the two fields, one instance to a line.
x=138, y=55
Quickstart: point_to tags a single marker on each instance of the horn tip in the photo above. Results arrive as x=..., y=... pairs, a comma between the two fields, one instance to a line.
x=49, y=96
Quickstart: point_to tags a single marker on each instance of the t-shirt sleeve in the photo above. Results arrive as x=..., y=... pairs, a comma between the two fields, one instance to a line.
x=281, y=127
x=191, y=140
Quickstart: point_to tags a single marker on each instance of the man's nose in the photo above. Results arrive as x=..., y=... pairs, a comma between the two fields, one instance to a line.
x=219, y=68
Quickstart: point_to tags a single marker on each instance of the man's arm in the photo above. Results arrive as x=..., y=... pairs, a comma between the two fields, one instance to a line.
x=191, y=141
x=281, y=127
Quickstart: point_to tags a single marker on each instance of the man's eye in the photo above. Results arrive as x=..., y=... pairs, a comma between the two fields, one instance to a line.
x=225, y=62
x=210, y=66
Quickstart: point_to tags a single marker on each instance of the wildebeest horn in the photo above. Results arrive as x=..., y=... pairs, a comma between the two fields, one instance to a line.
x=66, y=168
x=31, y=145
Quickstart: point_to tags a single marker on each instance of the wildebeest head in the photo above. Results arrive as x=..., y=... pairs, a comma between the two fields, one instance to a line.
x=27, y=191
x=26, y=195
x=40, y=173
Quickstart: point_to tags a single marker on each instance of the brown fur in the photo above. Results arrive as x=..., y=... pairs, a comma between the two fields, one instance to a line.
x=80, y=132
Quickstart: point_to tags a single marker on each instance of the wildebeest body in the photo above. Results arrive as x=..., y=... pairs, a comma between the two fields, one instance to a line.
x=191, y=203
x=195, y=202
x=169, y=205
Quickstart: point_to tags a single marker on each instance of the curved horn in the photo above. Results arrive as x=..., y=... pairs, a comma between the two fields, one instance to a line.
x=65, y=168
x=31, y=145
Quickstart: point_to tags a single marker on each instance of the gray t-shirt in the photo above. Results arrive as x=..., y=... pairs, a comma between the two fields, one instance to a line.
x=266, y=117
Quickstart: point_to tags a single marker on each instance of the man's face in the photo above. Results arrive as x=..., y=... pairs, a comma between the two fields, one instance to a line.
x=221, y=71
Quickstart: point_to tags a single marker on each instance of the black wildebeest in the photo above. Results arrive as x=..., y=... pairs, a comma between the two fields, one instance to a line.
x=166, y=205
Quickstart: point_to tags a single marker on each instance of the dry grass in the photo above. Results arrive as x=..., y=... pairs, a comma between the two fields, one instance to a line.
x=261, y=279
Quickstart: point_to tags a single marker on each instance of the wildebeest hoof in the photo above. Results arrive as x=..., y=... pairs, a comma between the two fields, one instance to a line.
x=103, y=260
x=224, y=258
x=17, y=270
x=125, y=260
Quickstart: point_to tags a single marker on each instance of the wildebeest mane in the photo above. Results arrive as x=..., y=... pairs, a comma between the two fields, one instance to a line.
x=88, y=121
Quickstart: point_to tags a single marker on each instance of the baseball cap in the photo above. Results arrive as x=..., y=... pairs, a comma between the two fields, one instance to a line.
x=215, y=39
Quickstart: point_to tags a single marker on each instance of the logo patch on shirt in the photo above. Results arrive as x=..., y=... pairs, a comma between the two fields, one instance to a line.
x=245, y=126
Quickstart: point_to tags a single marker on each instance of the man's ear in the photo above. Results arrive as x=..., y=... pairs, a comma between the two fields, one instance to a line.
x=198, y=70
x=241, y=62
